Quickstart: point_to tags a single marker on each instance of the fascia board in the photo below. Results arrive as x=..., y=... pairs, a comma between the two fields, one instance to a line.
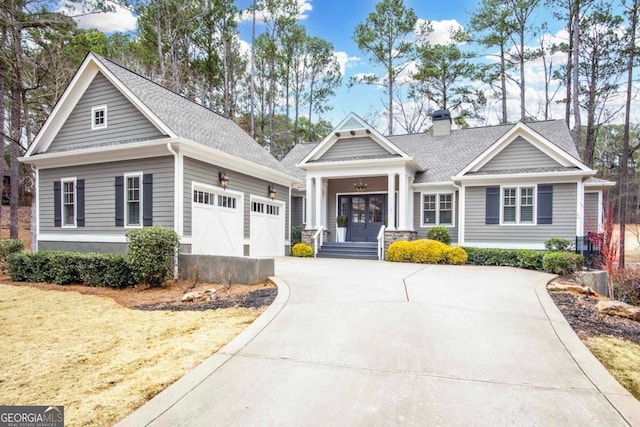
x=570, y=176
x=214, y=156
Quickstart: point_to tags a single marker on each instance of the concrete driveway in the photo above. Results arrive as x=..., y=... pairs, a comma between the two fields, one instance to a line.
x=368, y=343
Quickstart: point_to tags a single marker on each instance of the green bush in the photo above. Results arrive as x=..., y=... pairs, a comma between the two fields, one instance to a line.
x=439, y=233
x=8, y=247
x=296, y=234
x=562, y=263
x=556, y=244
x=399, y=251
x=302, y=250
x=492, y=256
x=425, y=251
x=455, y=256
x=152, y=251
x=530, y=259
x=63, y=268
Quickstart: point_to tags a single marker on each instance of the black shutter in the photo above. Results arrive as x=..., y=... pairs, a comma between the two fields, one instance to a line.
x=147, y=199
x=545, y=204
x=80, y=201
x=492, y=205
x=120, y=201
x=57, y=204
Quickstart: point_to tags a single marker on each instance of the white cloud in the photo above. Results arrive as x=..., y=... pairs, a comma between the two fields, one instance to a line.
x=304, y=6
x=121, y=19
x=345, y=61
x=441, y=30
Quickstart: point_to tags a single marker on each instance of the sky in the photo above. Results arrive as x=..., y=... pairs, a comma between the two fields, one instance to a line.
x=335, y=21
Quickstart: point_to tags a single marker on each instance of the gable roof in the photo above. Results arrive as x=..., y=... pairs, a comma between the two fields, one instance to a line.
x=443, y=157
x=174, y=114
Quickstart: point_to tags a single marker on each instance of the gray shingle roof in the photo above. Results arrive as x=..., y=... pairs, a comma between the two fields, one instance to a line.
x=193, y=121
x=444, y=156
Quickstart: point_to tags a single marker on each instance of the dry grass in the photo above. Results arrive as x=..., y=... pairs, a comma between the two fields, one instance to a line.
x=621, y=358
x=97, y=358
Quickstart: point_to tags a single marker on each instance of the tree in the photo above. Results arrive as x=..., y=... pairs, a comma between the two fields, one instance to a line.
x=491, y=28
x=383, y=36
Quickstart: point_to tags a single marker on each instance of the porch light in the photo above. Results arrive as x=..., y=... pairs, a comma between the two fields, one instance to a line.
x=223, y=179
x=360, y=186
x=272, y=192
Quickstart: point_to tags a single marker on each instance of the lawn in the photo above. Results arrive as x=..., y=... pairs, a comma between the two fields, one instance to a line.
x=97, y=358
x=621, y=358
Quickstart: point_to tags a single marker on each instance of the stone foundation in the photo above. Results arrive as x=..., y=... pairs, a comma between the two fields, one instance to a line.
x=391, y=236
x=307, y=236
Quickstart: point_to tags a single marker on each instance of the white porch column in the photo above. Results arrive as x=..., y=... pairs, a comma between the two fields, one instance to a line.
x=403, y=200
x=411, y=204
x=325, y=202
x=309, y=204
x=317, y=202
x=391, y=208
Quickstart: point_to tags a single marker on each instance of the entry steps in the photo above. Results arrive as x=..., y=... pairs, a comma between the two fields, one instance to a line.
x=351, y=250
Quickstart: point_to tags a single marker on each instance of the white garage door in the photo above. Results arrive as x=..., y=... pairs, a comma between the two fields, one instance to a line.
x=267, y=227
x=216, y=221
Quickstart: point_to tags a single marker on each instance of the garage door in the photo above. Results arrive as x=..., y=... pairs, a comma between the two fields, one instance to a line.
x=267, y=227
x=216, y=226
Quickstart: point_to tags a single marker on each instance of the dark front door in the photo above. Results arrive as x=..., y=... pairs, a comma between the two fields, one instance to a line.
x=365, y=213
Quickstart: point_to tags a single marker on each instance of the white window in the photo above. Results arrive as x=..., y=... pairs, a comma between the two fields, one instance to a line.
x=437, y=209
x=518, y=205
x=99, y=117
x=133, y=200
x=225, y=201
x=69, y=202
x=257, y=207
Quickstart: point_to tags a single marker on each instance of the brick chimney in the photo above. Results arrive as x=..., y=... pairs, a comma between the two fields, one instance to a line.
x=441, y=123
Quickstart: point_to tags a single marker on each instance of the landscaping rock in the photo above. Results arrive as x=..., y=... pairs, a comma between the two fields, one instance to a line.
x=570, y=287
x=205, y=295
x=620, y=309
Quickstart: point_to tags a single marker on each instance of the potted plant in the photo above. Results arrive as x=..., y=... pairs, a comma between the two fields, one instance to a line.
x=341, y=229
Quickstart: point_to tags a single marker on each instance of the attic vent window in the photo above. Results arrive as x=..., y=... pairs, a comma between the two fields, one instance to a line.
x=99, y=117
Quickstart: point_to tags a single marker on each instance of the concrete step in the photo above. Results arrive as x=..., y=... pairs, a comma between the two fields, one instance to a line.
x=350, y=250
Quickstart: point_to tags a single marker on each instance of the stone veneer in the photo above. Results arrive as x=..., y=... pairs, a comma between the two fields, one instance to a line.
x=391, y=236
x=307, y=236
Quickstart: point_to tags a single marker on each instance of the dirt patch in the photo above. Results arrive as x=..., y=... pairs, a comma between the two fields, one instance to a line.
x=169, y=297
x=580, y=311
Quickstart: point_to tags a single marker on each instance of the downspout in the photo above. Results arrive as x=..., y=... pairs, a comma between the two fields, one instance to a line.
x=176, y=207
x=460, y=213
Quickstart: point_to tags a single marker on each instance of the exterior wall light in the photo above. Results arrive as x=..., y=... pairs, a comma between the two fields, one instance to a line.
x=223, y=179
x=272, y=192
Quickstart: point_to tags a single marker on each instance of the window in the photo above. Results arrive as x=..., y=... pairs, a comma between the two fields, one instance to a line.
x=437, y=209
x=227, y=202
x=257, y=207
x=273, y=210
x=133, y=200
x=99, y=117
x=68, y=202
x=518, y=205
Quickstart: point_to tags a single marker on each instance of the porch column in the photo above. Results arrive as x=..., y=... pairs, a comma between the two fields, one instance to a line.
x=317, y=202
x=410, y=218
x=309, y=204
x=391, y=195
x=325, y=202
x=403, y=200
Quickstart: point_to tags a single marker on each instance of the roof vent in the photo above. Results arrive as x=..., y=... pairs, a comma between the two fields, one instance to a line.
x=441, y=123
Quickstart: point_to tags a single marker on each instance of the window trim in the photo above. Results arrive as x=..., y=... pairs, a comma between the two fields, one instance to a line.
x=94, y=110
x=518, y=206
x=75, y=202
x=437, y=195
x=140, y=201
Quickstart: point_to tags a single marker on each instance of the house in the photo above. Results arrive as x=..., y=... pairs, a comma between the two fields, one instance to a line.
x=120, y=152
x=507, y=186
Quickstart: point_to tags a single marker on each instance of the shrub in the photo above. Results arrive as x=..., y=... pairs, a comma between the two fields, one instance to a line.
x=556, y=244
x=296, y=234
x=112, y=270
x=439, y=233
x=302, y=250
x=152, y=251
x=399, y=251
x=562, y=263
x=492, y=256
x=530, y=259
x=455, y=256
x=426, y=251
x=8, y=247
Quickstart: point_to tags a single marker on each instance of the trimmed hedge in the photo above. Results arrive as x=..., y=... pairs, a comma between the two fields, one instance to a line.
x=302, y=250
x=556, y=244
x=562, y=263
x=439, y=233
x=63, y=268
x=152, y=251
x=8, y=247
x=425, y=251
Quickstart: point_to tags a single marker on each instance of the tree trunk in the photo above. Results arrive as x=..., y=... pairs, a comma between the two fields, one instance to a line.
x=503, y=84
x=252, y=122
x=567, y=105
x=16, y=124
x=575, y=133
x=310, y=109
x=3, y=76
x=159, y=43
x=523, y=111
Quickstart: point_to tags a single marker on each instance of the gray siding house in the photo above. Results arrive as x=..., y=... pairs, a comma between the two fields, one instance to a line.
x=507, y=186
x=120, y=152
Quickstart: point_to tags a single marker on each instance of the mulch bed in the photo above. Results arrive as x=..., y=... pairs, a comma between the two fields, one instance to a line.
x=580, y=311
x=254, y=299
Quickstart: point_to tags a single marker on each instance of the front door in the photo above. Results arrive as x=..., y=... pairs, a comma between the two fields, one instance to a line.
x=365, y=213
